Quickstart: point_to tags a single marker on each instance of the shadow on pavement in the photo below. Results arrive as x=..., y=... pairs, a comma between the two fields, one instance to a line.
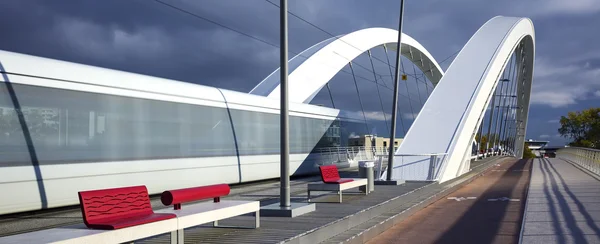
x=482, y=222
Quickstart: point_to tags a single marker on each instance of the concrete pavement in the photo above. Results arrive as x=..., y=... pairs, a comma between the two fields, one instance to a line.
x=487, y=210
x=563, y=205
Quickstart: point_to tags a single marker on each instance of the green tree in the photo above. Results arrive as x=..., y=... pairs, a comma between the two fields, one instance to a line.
x=582, y=127
x=527, y=152
x=483, y=141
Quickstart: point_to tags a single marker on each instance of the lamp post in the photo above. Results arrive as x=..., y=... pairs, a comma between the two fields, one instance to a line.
x=285, y=208
x=395, y=97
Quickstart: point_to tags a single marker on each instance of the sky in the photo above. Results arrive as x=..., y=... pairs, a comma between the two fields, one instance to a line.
x=147, y=37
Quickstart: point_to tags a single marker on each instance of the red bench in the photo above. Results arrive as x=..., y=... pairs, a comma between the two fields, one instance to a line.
x=120, y=215
x=333, y=182
x=330, y=175
x=177, y=197
x=117, y=208
x=206, y=212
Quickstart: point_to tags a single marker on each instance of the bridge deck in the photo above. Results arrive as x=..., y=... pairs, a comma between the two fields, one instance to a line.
x=487, y=210
x=331, y=221
x=563, y=204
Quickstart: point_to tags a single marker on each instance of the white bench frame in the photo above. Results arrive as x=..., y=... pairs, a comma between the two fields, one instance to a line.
x=79, y=233
x=320, y=186
x=207, y=212
x=188, y=216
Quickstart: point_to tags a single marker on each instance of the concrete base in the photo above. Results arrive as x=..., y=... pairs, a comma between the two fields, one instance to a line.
x=389, y=182
x=296, y=209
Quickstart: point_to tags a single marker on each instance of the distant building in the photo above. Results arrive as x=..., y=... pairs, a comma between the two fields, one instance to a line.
x=536, y=146
x=373, y=141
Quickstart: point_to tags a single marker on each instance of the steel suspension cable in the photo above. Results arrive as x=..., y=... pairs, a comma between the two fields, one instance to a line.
x=248, y=35
x=417, y=84
x=489, y=130
x=359, y=99
x=480, y=133
x=379, y=94
x=330, y=96
x=412, y=110
x=513, y=108
x=349, y=44
x=391, y=75
x=498, y=112
x=504, y=111
x=515, y=105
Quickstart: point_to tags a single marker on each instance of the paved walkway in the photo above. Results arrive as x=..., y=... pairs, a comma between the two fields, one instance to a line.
x=487, y=210
x=563, y=205
x=330, y=221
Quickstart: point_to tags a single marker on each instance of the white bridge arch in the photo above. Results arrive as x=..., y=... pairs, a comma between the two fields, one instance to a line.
x=450, y=118
x=313, y=68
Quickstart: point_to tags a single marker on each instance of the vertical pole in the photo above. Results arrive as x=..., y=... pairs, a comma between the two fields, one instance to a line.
x=395, y=98
x=284, y=198
x=480, y=136
x=487, y=146
x=498, y=113
x=510, y=104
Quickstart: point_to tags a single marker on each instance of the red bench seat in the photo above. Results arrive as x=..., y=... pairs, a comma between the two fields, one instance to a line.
x=177, y=197
x=117, y=208
x=330, y=175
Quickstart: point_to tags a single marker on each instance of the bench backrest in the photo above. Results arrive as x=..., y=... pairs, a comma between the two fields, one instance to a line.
x=177, y=197
x=329, y=173
x=115, y=203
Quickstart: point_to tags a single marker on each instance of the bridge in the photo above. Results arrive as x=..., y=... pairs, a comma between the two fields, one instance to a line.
x=100, y=129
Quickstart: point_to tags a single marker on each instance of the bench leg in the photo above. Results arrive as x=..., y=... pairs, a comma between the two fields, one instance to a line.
x=308, y=196
x=177, y=237
x=257, y=219
x=340, y=193
x=216, y=223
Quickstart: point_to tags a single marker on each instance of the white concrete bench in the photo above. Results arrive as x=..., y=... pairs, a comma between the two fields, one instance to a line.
x=129, y=229
x=81, y=234
x=321, y=186
x=192, y=215
x=209, y=212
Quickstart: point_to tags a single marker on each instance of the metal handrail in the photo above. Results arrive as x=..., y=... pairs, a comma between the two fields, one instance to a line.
x=434, y=166
x=348, y=154
x=587, y=158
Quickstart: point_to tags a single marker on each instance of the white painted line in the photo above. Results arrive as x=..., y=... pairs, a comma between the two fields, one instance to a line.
x=503, y=199
x=458, y=199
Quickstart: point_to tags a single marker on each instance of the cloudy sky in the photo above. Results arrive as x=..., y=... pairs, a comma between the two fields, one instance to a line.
x=144, y=36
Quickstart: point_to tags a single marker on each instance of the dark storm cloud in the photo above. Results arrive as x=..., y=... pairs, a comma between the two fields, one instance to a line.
x=146, y=37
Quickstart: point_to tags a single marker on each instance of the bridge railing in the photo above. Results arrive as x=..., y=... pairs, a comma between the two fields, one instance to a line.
x=348, y=154
x=587, y=158
x=418, y=167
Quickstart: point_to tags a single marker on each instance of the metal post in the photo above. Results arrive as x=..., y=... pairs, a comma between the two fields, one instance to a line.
x=502, y=115
x=487, y=143
x=284, y=197
x=395, y=98
x=498, y=113
x=510, y=105
x=480, y=136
